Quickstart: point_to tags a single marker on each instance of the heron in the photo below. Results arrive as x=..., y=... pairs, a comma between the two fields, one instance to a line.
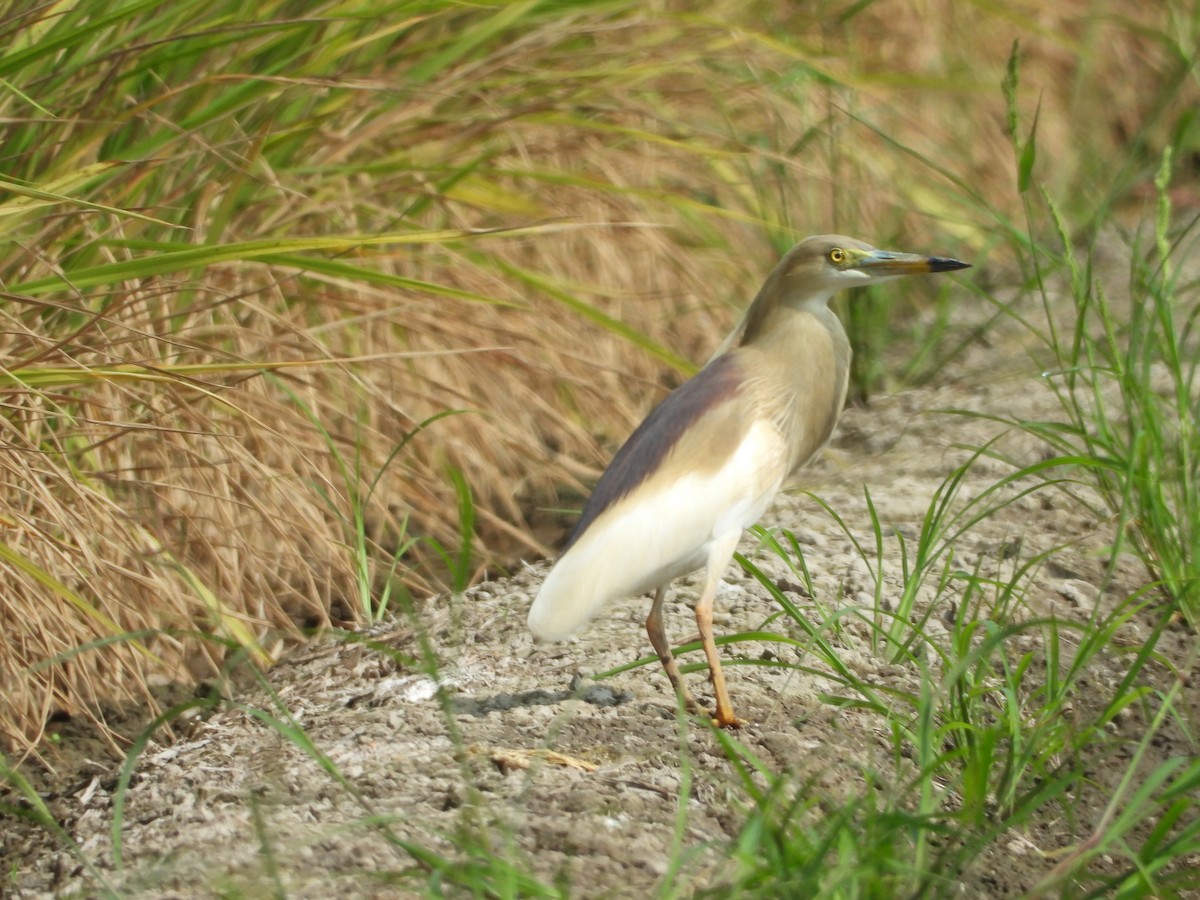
x=707, y=462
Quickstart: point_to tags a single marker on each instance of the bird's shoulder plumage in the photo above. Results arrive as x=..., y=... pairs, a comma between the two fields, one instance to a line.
x=700, y=421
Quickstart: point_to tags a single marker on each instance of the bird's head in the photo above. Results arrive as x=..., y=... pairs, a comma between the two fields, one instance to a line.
x=822, y=265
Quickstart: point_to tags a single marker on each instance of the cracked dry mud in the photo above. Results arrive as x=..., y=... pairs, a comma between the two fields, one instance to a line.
x=585, y=777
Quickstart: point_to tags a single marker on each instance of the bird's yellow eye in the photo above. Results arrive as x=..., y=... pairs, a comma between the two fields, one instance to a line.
x=837, y=255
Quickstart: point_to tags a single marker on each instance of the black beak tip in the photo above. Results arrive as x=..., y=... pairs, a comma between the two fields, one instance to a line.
x=945, y=264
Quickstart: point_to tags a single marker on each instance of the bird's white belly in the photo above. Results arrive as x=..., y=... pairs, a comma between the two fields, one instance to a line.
x=659, y=533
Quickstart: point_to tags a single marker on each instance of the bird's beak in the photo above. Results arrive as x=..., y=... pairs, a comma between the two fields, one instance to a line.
x=888, y=264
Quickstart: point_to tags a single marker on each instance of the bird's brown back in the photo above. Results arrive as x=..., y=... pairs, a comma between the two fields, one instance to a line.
x=692, y=428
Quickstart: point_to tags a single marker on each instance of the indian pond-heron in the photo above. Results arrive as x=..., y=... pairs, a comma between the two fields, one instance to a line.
x=708, y=461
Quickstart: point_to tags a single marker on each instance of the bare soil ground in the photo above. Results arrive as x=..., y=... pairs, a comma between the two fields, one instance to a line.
x=584, y=777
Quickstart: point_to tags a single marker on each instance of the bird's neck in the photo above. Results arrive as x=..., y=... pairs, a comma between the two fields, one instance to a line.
x=800, y=358
x=772, y=305
x=782, y=324
x=775, y=298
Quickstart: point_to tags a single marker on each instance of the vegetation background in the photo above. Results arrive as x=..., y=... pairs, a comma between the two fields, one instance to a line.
x=311, y=307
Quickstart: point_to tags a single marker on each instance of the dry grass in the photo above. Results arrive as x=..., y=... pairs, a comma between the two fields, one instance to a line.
x=668, y=154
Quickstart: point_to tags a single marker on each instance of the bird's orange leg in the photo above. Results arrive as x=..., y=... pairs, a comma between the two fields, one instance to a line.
x=658, y=639
x=704, y=610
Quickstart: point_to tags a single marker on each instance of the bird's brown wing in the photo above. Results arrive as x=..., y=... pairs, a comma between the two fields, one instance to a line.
x=641, y=458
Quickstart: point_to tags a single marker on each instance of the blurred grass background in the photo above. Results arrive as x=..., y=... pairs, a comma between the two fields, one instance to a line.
x=252, y=255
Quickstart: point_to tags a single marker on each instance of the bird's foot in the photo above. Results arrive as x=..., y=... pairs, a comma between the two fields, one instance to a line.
x=729, y=720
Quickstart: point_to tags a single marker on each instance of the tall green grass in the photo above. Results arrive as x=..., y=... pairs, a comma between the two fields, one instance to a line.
x=1125, y=374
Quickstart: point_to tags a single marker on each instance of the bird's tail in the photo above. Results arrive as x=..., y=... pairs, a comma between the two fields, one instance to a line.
x=568, y=600
x=624, y=553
